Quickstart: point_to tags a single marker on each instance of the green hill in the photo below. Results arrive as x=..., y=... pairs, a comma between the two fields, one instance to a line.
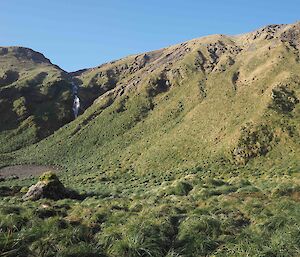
x=217, y=97
x=34, y=98
x=191, y=150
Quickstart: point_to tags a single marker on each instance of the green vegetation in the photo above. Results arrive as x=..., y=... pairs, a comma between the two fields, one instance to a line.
x=284, y=100
x=192, y=150
x=254, y=141
x=35, y=98
x=238, y=213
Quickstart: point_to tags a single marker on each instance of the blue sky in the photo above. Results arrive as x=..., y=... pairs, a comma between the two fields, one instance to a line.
x=79, y=34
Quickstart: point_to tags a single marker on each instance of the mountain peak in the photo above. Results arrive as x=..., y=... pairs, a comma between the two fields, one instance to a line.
x=24, y=53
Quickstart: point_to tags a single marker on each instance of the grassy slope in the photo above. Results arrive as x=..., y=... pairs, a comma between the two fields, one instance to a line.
x=198, y=118
x=154, y=161
x=34, y=102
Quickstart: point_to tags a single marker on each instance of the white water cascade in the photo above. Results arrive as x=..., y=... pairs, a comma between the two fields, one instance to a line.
x=76, y=102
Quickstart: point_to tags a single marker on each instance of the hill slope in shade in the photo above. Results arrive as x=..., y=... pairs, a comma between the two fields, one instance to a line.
x=213, y=98
x=35, y=98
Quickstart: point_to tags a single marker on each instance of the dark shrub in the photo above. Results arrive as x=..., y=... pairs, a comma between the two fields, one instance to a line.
x=283, y=99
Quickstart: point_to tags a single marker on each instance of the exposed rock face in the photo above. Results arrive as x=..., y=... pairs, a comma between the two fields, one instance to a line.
x=292, y=36
x=49, y=187
x=159, y=85
x=216, y=57
x=268, y=32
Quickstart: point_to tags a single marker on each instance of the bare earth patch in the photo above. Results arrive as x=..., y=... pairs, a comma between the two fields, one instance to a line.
x=23, y=171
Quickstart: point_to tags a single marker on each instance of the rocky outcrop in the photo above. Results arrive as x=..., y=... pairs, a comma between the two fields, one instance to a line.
x=159, y=85
x=268, y=32
x=219, y=57
x=292, y=36
x=49, y=187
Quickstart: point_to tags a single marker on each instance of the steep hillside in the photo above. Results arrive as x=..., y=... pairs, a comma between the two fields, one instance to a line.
x=213, y=98
x=35, y=98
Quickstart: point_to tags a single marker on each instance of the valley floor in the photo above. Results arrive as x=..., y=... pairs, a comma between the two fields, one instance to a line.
x=206, y=211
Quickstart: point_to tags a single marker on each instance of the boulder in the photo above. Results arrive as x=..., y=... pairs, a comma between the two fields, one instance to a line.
x=49, y=187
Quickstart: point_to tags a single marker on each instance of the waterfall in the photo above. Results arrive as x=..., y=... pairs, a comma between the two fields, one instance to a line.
x=76, y=101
